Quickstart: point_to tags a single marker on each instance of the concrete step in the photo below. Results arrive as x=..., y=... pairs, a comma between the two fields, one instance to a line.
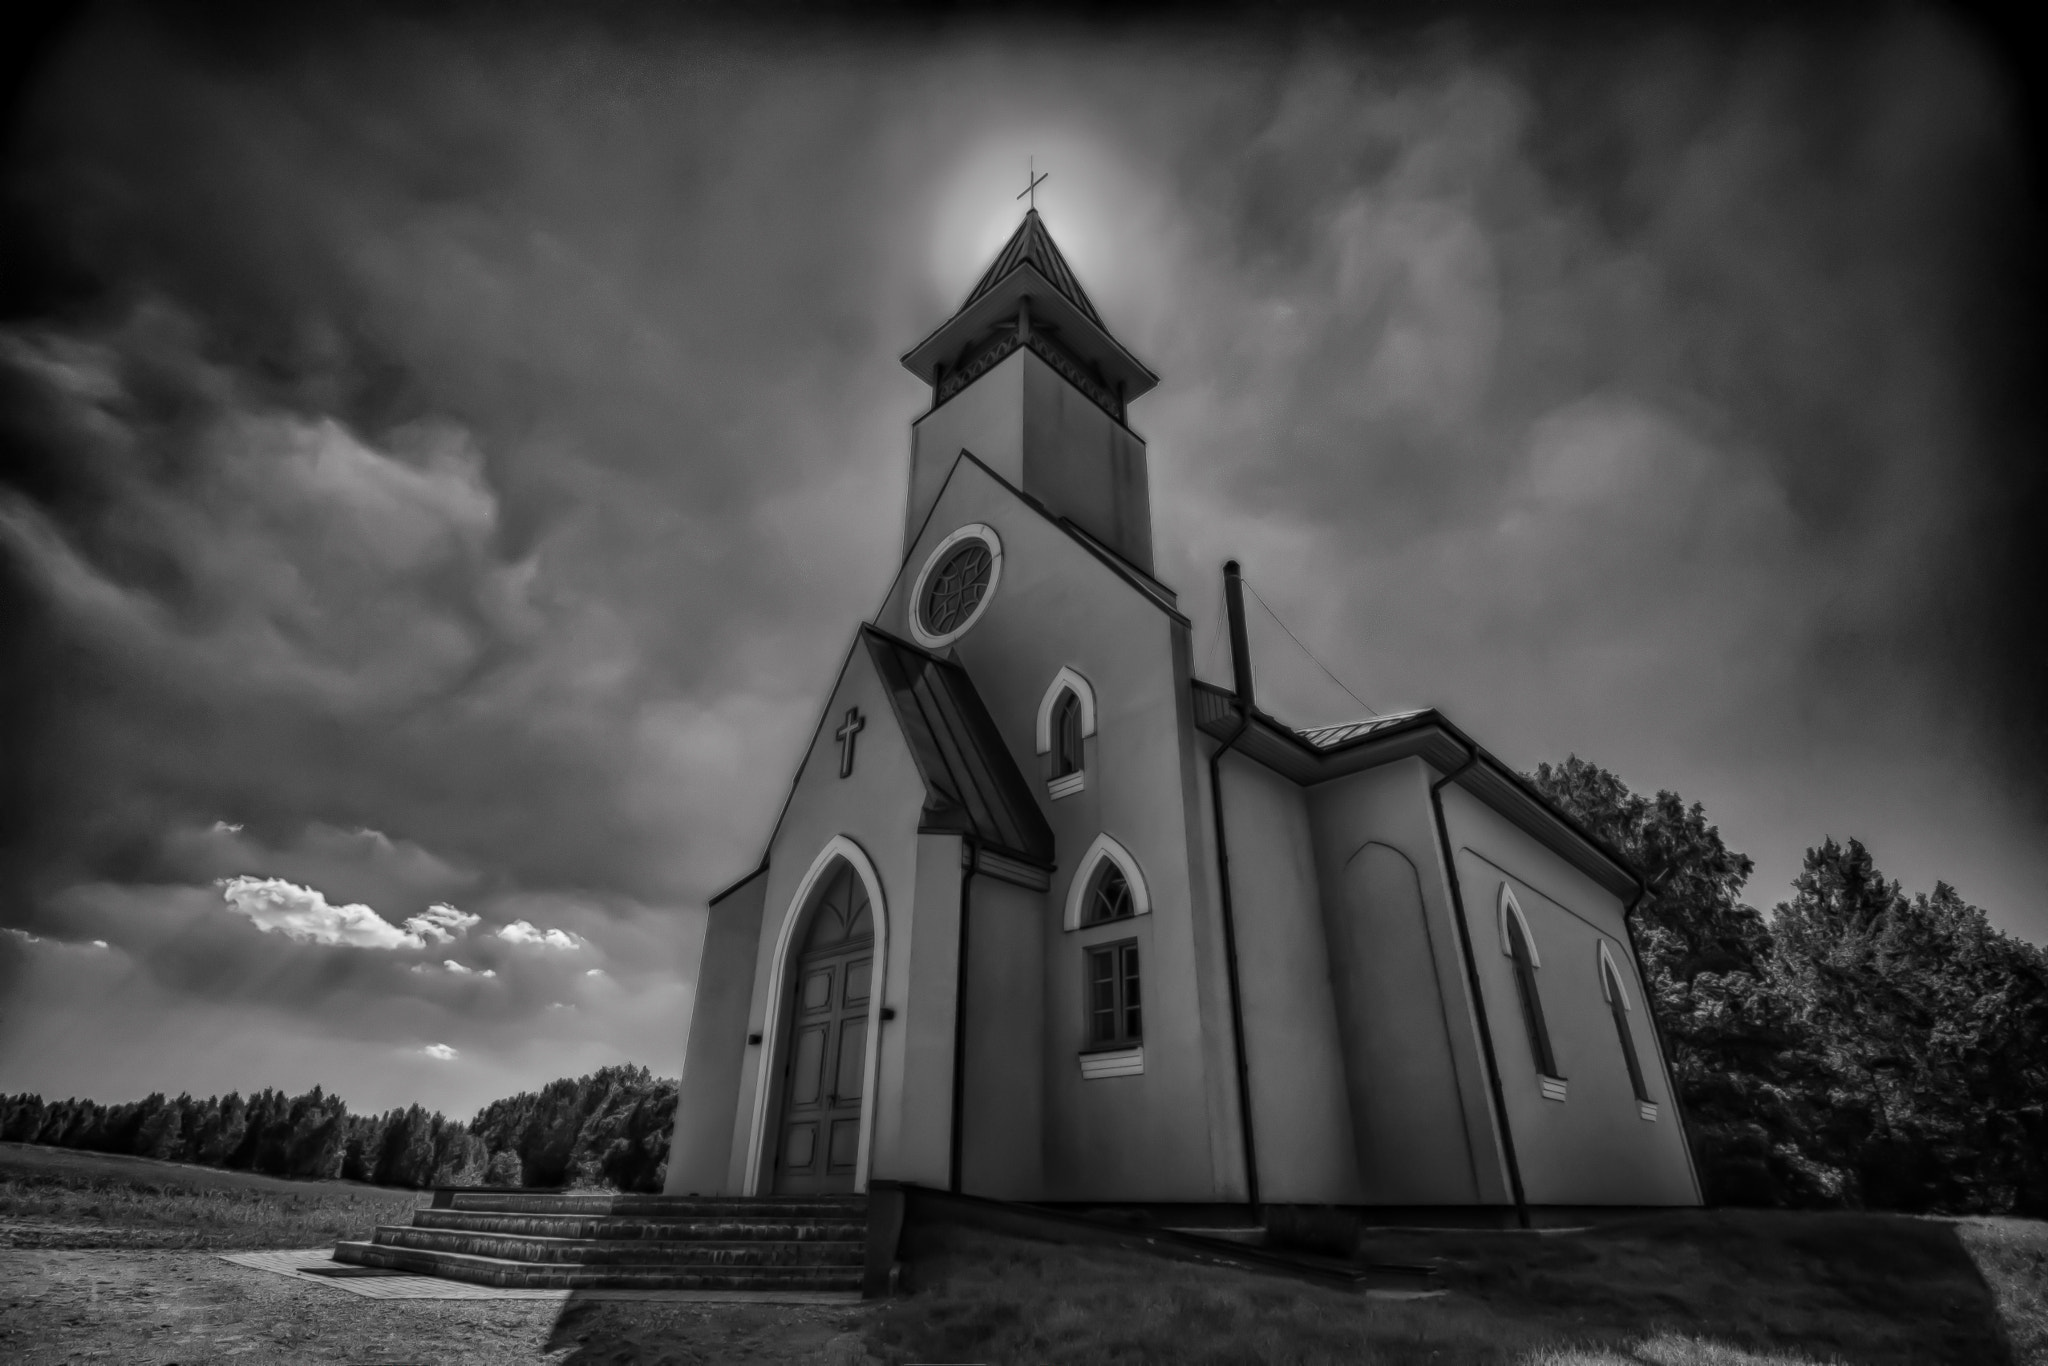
x=686, y=1254
x=662, y=1206
x=673, y=1228
x=481, y=1270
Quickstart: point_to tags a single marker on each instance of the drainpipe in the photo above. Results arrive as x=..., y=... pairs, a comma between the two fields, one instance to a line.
x=1500, y=1105
x=1241, y=677
x=1628, y=922
x=967, y=862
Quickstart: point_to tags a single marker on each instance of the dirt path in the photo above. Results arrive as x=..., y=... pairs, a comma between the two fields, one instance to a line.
x=193, y=1309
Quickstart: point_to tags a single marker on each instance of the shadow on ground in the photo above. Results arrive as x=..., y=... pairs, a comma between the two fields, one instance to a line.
x=604, y=1332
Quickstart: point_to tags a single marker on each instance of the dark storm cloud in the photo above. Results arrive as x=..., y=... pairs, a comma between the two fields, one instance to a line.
x=461, y=449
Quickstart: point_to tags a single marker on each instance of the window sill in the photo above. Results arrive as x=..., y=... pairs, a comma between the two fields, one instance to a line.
x=1057, y=788
x=1647, y=1109
x=1113, y=1062
x=1553, y=1087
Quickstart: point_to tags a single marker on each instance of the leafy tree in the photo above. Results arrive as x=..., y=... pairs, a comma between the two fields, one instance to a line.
x=1737, y=1054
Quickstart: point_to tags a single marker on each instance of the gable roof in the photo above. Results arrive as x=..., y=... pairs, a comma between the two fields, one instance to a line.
x=1325, y=752
x=972, y=786
x=1032, y=244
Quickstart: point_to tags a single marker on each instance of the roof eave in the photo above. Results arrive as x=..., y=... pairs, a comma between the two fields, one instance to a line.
x=1430, y=736
x=1049, y=307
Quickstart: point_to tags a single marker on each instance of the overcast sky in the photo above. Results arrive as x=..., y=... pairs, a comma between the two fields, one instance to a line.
x=450, y=459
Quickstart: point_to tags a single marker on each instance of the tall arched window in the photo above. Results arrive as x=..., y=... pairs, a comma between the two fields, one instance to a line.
x=1519, y=947
x=1066, y=735
x=1618, y=1007
x=1066, y=718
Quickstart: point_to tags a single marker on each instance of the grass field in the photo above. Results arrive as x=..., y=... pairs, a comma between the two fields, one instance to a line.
x=1713, y=1288
x=61, y=1198
x=1705, y=1288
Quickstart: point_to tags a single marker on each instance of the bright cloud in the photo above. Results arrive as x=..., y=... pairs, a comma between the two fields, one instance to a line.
x=441, y=1052
x=524, y=932
x=305, y=915
x=99, y=943
x=441, y=922
x=23, y=935
x=461, y=971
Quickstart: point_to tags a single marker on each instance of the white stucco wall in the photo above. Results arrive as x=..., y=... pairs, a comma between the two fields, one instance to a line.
x=1420, y=1101
x=1592, y=1148
x=707, y=1096
x=1300, y=1115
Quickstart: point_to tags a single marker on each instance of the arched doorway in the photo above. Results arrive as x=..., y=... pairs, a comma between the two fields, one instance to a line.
x=818, y=1138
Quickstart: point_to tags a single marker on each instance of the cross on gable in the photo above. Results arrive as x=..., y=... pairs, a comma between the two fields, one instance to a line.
x=848, y=728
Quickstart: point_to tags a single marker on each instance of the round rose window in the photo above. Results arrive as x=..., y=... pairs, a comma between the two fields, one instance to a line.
x=956, y=584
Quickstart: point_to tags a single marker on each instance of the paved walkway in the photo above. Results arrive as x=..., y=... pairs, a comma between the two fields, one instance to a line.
x=300, y=1264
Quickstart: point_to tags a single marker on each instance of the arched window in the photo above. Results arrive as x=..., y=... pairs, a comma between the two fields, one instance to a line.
x=1518, y=945
x=1109, y=896
x=1105, y=877
x=1066, y=718
x=1066, y=735
x=1618, y=1007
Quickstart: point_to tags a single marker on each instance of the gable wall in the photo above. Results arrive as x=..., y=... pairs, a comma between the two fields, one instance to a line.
x=1144, y=1137
x=877, y=807
x=1592, y=1148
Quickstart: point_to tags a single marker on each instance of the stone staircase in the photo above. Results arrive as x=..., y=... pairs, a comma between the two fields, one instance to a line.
x=627, y=1242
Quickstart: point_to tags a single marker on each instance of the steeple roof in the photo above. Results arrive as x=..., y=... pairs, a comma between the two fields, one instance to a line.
x=1032, y=243
x=1030, y=295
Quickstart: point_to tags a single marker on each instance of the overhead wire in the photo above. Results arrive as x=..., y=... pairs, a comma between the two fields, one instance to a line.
x=1310, y=653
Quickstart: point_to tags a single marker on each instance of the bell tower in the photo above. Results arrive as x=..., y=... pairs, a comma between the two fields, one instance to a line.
x=1027, y=378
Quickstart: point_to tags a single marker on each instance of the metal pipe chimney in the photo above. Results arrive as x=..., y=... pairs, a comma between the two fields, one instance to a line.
x=1240, y=642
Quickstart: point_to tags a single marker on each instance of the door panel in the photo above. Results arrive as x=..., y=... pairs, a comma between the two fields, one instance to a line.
x=845, y=1146
x=806, y=1068
x=826, y=1072
x=853, y=1060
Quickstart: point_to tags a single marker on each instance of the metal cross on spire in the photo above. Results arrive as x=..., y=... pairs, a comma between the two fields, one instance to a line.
x=1032, y=188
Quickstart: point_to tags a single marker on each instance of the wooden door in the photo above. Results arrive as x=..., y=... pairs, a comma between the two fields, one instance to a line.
x=826, y=1073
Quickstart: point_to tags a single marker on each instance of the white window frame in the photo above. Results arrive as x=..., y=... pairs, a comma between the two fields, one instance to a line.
x=981, y=531
x=1084, y=875
x=1508, y=905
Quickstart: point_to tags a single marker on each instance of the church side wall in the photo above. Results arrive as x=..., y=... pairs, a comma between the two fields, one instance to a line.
x=877, y=808
x=1301, y=1123
x=1420, y=1104
x=987, y=418
x=700, y=1150
x=1003, y=1124
x=1084, y=464
x=1593, y=1147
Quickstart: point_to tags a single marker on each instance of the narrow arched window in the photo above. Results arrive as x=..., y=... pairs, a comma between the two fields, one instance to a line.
x=1617, y=1005
x=1109, y=896
x=1525, y=986
x=1066, y=745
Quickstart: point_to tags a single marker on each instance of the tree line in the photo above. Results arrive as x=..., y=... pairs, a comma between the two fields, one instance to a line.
x=1856, y=1047
x=610, y=1128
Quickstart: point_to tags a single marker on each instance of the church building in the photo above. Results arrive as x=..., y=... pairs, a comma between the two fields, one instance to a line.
x=1046, y=918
